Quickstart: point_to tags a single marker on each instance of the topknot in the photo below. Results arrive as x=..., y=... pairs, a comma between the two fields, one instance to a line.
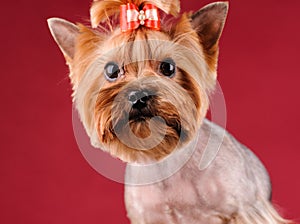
x=101, y=10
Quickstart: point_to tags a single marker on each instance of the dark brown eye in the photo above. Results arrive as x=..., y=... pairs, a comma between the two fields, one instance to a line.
x=168, y=67
x=112, y=71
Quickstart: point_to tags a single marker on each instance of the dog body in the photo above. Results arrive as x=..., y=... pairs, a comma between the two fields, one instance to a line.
x=234, y=185
x=141, y=91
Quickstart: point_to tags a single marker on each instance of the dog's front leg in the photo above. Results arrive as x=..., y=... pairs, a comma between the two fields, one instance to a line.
x=145, y=205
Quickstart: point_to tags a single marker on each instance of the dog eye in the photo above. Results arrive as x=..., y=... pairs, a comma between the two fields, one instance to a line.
x=112, y=71
x=168, y=67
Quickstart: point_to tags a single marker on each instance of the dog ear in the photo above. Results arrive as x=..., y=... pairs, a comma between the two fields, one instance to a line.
x=208, y=22
x=65, y=34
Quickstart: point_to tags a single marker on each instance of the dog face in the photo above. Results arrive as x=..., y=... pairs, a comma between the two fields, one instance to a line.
x=143, y=94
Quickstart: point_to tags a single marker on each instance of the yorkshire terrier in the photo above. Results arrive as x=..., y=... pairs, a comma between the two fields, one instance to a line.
x=141, y=87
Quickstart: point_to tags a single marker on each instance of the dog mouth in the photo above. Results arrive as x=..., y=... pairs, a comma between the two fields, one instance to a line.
x=139, y=115
x=145, y=114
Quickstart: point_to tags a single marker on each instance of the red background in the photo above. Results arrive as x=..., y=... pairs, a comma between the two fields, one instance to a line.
x=43, y=176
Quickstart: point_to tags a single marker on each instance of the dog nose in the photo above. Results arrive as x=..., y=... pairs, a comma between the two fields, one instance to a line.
x=138, y=99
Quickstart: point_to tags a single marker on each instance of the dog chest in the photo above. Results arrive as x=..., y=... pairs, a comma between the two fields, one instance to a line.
x=175, y=200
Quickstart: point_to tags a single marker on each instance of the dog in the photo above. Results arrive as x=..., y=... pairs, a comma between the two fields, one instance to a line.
x=141, y=86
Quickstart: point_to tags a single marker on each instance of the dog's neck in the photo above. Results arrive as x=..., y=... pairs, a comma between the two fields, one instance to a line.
x=137, y=174
x=204, y=147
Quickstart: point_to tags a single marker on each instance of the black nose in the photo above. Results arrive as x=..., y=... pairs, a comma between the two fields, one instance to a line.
x=139, y=99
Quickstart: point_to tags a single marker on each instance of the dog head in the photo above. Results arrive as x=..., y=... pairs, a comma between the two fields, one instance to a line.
x=142, y=93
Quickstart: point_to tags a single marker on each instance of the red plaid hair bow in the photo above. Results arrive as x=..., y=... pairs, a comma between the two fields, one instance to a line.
x=131, y=17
